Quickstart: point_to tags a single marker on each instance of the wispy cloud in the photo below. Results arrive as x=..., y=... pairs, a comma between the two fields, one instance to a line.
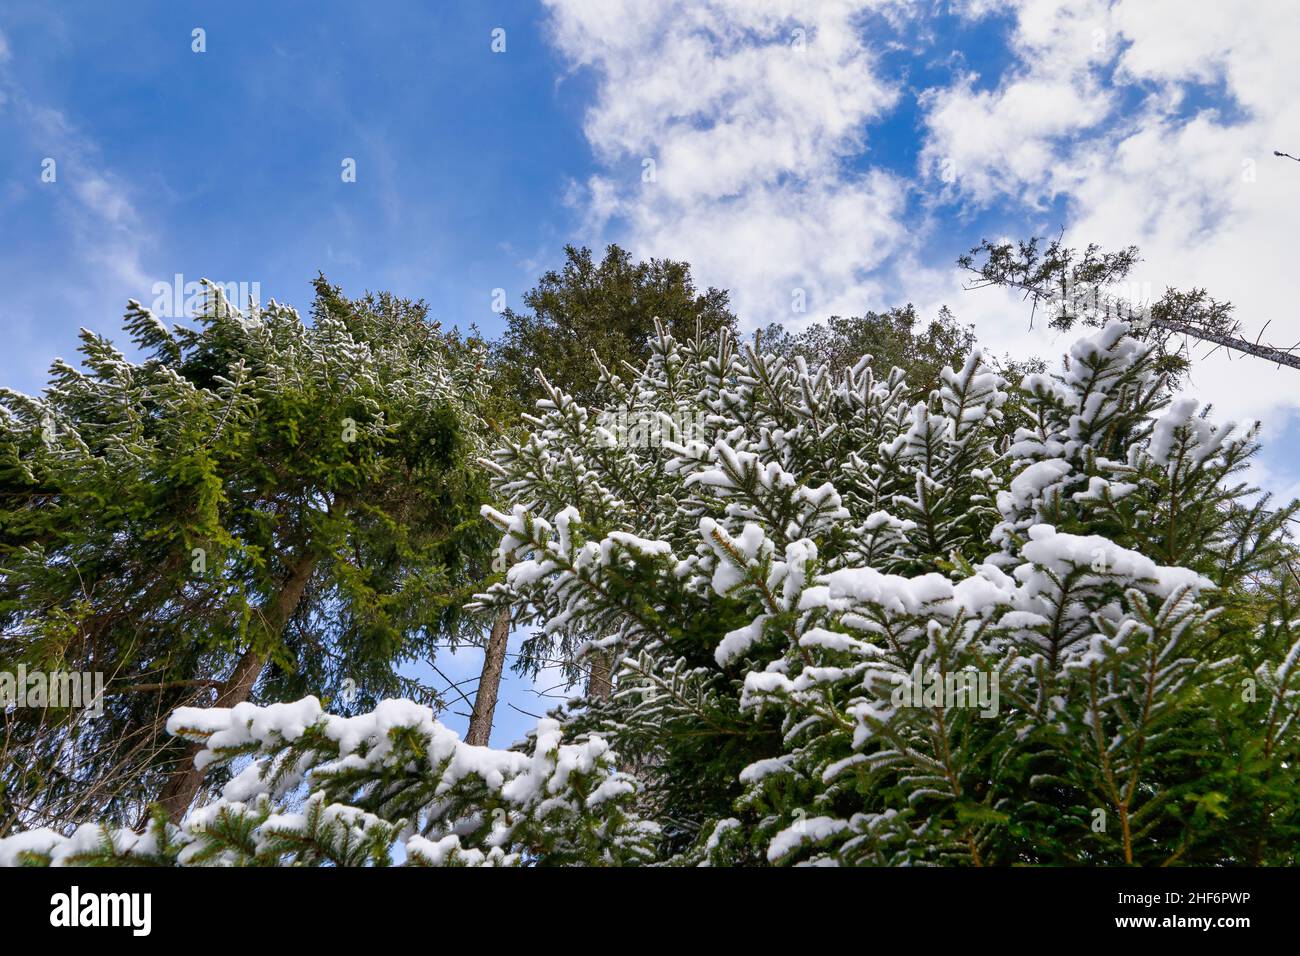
x=93, y=204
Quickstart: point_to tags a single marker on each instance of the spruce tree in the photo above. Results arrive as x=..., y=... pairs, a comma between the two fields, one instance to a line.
x=260, y=507
x=578, y=320
x=893, y=338
x=606, y=307
x=1040, y=621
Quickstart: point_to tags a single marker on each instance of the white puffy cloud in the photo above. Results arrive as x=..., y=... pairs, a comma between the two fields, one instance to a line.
x=750, y=111
x=1160, y=135
x=1149, y=122
x=1006, y=142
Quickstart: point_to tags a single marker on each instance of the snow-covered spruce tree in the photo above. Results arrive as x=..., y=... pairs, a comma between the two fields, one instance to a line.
x=1035, y=625
x=259, y=507
x=387, y=785
x=769, y=583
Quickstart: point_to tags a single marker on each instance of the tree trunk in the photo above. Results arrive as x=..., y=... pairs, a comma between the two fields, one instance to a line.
x=599, y=682
x=489, y=683
x=186, y=779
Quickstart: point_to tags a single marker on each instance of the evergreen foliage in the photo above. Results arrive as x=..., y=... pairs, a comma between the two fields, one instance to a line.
x=606, y=308
x=1040, y=622
x=257, y=496
x=893, y=338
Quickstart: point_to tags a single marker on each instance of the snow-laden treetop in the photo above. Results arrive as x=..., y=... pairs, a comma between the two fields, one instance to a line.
x=1025, y=621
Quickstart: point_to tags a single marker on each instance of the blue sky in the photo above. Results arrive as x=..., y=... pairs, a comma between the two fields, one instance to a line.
x=849, y=150
x=229, y=161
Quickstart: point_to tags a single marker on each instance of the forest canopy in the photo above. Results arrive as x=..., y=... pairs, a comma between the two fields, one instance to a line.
x=854, y=594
